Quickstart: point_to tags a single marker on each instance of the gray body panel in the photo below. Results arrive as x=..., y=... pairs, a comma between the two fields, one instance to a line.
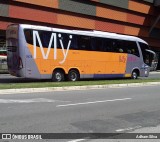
x=135, y=62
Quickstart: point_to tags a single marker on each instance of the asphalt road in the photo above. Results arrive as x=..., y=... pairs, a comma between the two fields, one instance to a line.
x=111, y=110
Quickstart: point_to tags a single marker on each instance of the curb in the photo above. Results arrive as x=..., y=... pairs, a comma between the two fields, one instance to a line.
x=72, y=88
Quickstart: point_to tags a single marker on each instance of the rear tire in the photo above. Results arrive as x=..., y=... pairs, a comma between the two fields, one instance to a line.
x=58, y=76
x=73, y=75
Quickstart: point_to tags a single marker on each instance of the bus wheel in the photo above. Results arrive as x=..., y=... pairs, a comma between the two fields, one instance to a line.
x=73, y=75
x=58, y=76
x=134, y=75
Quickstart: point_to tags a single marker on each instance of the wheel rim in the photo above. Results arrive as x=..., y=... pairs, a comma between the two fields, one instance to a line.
x=58, y=76
x=134, y=75
x=73, y=76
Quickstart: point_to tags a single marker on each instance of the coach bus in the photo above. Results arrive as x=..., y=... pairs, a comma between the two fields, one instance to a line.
x=50, y=53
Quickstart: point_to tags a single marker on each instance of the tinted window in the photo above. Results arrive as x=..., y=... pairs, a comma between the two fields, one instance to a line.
x=108, y=45
x=29, y=36
x=81, y=42
x=123, y=46
x=84, y=42
x=66, y=38
x=44, y=36
x=143, y=47
x=131, y=47
x=99, y=44
x=103, y=44
x=145, y=54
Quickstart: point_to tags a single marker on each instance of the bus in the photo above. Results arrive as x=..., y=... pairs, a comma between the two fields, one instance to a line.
x=41, y=52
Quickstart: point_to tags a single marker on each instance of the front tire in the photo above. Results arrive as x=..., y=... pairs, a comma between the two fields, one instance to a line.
x=58, y=76
x=73, y=75
x=134, y=75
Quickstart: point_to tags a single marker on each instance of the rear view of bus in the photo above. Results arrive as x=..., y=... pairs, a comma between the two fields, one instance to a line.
x=14, y=60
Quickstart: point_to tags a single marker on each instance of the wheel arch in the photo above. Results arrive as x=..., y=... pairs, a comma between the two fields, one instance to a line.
x=59, y=68
x=74, y=69
x=137, y=70
x=55, y=70
x=73, y=74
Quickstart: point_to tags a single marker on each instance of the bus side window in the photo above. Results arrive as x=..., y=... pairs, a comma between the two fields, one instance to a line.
x=115, y=45
x=84, y=42
x=93, y=44
x=107, y=45
x=132, y=48
x=29, y=36
x=45, y=36
x=64, y=38
x=99, y=44
x=73, y=44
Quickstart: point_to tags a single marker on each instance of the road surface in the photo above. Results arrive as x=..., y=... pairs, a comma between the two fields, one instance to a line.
x=110, y=110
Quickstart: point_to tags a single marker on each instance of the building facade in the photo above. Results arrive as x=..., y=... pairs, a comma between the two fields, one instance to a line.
x=139, y=18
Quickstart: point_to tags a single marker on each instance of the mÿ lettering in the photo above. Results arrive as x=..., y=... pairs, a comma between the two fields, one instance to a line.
x=52, y=38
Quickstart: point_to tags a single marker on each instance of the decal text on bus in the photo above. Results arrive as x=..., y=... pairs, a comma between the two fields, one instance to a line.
x=52, y=38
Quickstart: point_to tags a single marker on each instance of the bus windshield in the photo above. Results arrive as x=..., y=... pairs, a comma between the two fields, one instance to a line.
x=149, y=56
x=153, y=59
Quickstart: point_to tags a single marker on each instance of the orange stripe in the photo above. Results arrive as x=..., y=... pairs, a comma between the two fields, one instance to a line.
x=32, y=14
x=139, y=7
x=111, y=14
x=110, y=27
x=47, y=3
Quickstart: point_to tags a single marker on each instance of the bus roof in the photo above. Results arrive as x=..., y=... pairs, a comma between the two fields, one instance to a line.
x=89, y=33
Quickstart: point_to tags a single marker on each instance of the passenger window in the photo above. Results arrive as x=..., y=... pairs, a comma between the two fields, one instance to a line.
x=108, y=45
x=132, y=48
x=65, y=38
x=29, y=36
x=74, y=42
x=99, y=44
x=84, y=42
x=45, y=39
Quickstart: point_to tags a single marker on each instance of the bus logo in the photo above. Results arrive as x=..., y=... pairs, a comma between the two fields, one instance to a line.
x=122, y=59
x=52, y=38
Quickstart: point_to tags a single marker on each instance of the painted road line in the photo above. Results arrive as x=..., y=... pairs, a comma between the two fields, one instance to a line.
x=128, y=129
x=78, y=140
x=36, y=100
x=86, y=103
